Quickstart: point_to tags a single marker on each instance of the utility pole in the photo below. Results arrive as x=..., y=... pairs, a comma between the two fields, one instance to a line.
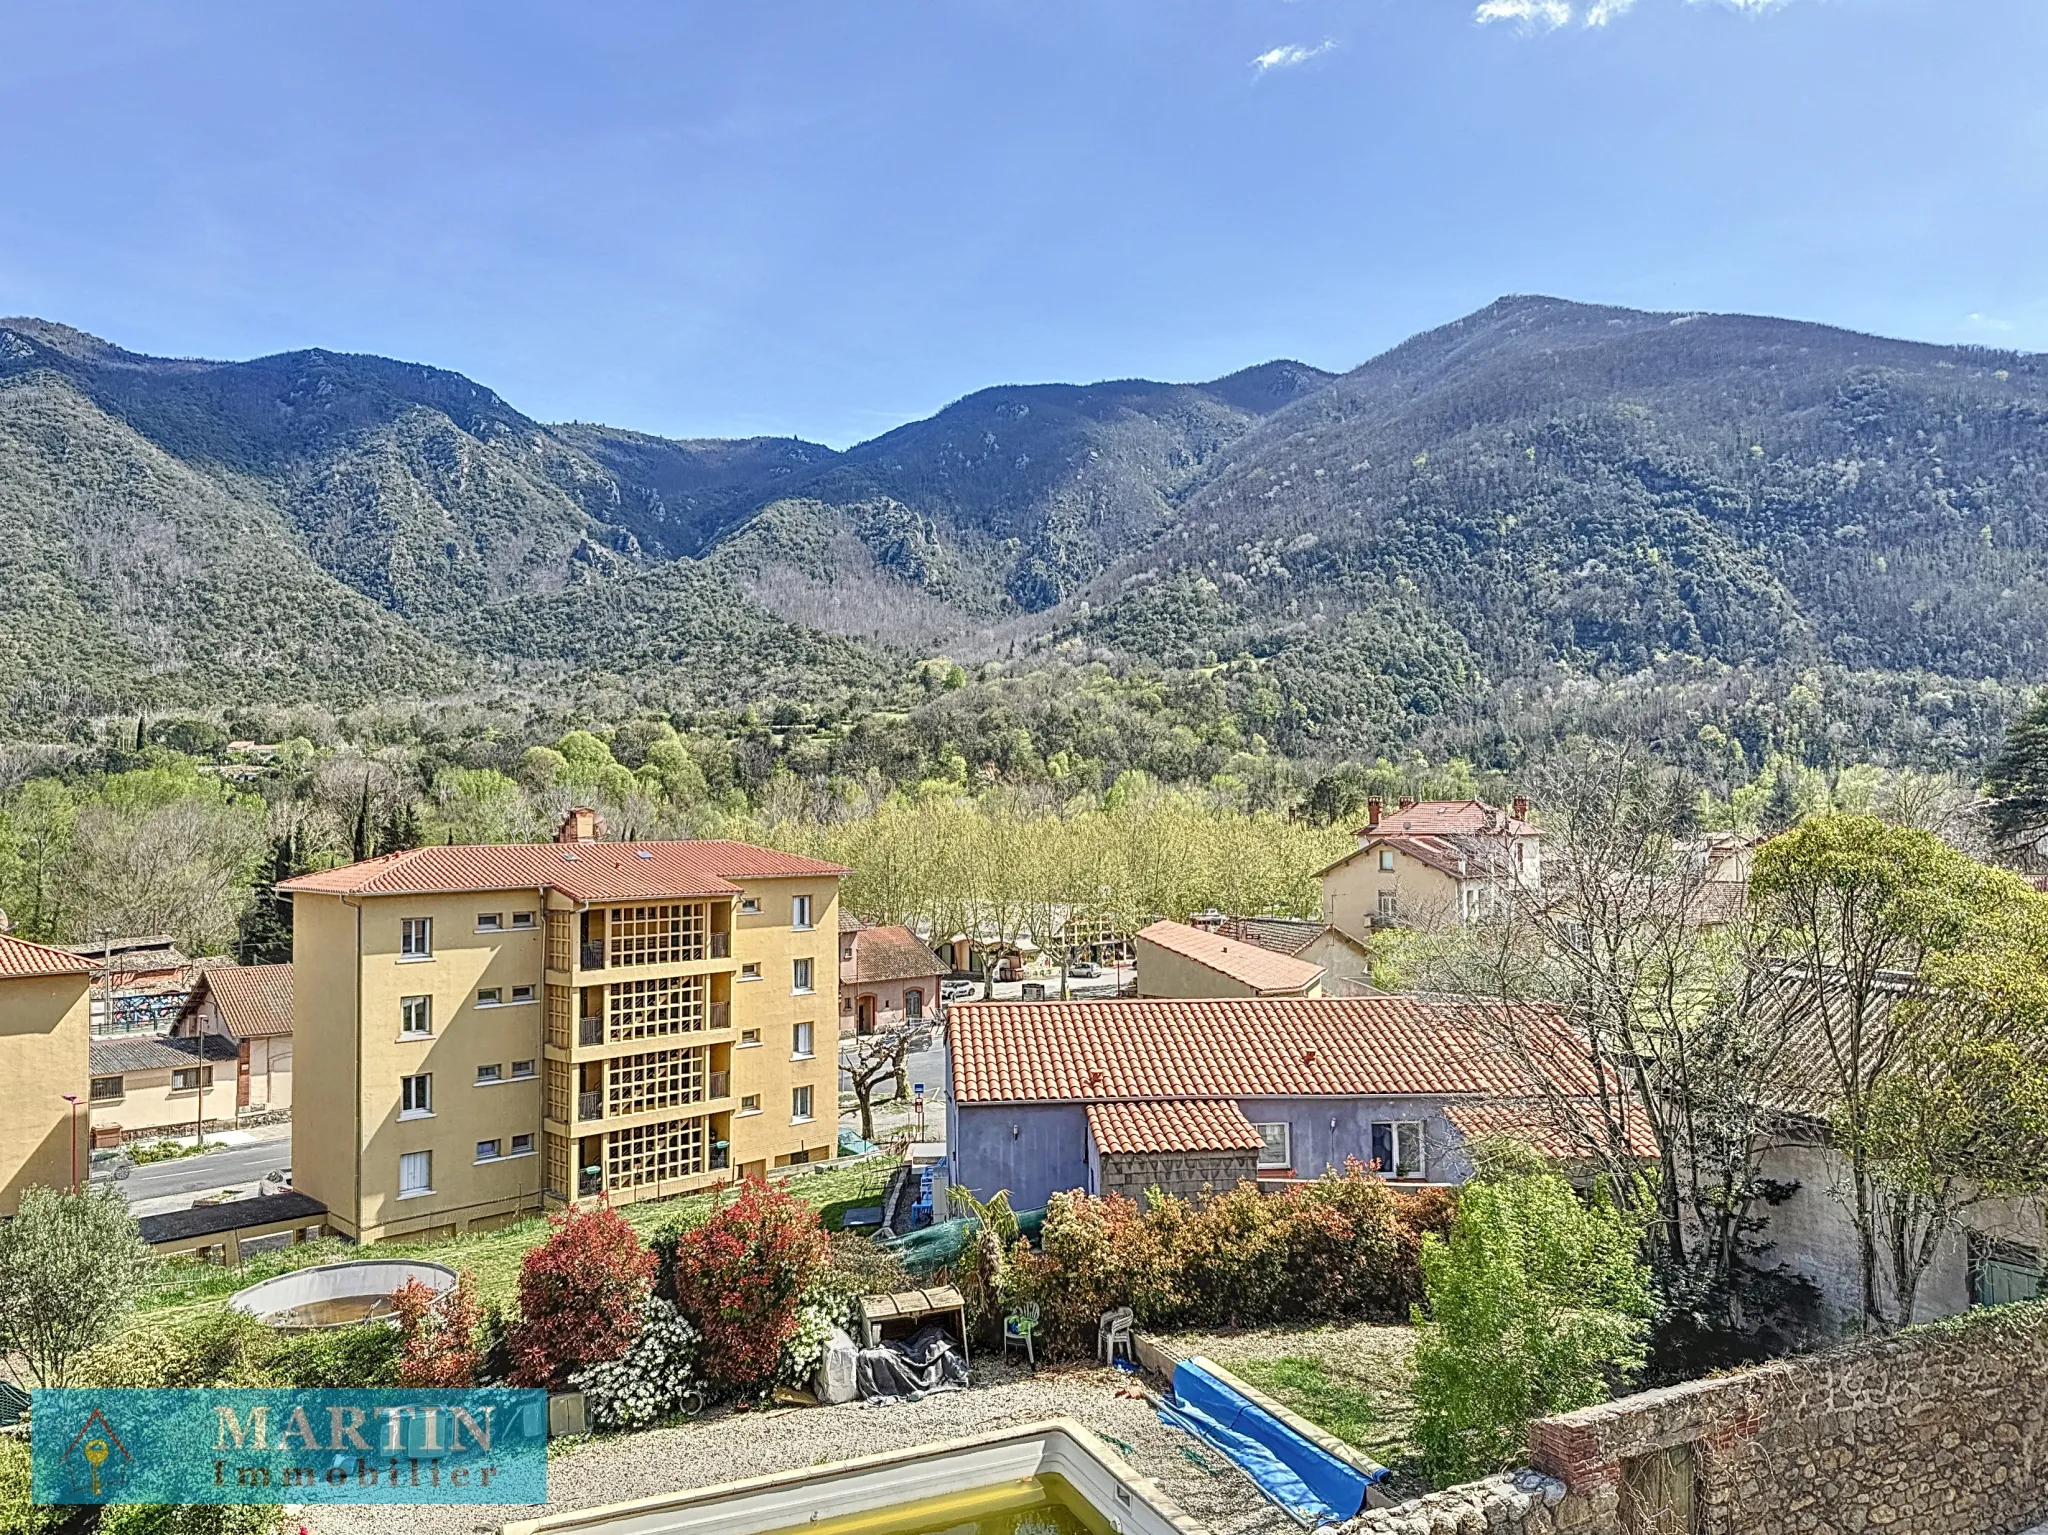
x=72, y=1099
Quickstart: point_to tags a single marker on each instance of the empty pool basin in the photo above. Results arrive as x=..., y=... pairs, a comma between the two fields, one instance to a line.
x=337, y=1294
x=1046, y=1476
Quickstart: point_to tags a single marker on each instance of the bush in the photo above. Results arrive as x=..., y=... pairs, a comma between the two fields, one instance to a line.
x=740, y=1275
x=226, y=1348
x=647, y=1382
x=365, y=1355
x=1344, y=1247
x=71, y=1264
x=19, y=1515
x=581, y=1293
x=1537, y=1302
x=189, y=1519
x=438, y=1342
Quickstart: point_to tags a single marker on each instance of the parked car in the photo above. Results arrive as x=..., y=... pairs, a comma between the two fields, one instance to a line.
x=957, y=991
x=113, y=1162
x=1084, y=969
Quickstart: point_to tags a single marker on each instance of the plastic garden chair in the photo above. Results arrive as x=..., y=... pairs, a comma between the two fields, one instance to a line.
x=1019, y=1328
x=1113, y=1333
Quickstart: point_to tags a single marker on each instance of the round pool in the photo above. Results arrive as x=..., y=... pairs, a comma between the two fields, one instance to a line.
x=337, y=1294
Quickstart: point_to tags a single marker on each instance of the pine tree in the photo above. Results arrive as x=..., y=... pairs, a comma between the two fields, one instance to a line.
x=1781, y=810
x=2017, y=779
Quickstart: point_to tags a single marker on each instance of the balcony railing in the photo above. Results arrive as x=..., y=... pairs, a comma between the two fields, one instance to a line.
x=593, y=954
x=721, y=1015
x=721, y=946
x=590, y=1031
x=590, y=1105
x=718, y=1085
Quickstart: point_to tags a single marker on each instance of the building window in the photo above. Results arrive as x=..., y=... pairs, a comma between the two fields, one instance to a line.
x=656, y=935
x=521, y=1070
x=416, y=1095
x=522, y=993
x=489, y=996
x=105, y=1087
x=750, y=1036
x=524, y=919
x=1276, y=1146
x=648, y=1009
x=1390, y=903
x=1386, y=860
x=750, y=906
x=490, y=922
x=415, y=1173
x=799, y=1104
x=651, y=1153
x=487, y=1151
x=190, y=1078
x=750, y=1103
x=415, y=1016
x=800, y=913
x=800, y=981
x=750, y=972
x=522, y=1144
x=913, y=1005
x=800, y=1042
x=1397, y=1148
x=416, y=938
x=659, y=1079
x=489, y=1074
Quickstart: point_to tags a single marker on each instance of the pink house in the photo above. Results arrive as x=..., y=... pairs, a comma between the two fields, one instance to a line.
x=887, y=978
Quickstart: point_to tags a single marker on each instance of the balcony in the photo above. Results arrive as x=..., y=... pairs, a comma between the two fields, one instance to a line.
x=721, y=946
x=721, y=1157
x=590, y=1105
x=589, y=1181
x=720, y=1015
x=590, y=1031
x=592, y=954
x=718, y=1084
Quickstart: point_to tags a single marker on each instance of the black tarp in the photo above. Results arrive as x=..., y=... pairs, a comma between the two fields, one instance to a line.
x=927, y=1360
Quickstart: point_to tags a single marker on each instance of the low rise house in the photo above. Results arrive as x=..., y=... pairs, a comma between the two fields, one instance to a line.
x=1176, y=960
x=157, y=1085
x=250, y=1006
x=887, y=977
x=1346, y=962
x=1429, y=863
x=1106, y=1095
x=43, y=1008
x=139, y=983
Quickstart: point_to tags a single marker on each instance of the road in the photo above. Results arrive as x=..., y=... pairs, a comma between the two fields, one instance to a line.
x=236, y=1165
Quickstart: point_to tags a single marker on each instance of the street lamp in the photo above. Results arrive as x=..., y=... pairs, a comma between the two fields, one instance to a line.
x=72, y=1099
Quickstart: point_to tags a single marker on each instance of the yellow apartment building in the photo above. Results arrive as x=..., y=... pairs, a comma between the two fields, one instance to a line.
x=482, y=1032
x=44, y=1006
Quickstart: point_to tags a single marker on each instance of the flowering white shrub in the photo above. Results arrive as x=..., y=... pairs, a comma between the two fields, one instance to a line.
x=650, y=1380
x=806, y=1346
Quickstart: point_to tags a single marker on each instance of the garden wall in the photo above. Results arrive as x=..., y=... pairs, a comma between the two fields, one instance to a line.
x=1942, y=1430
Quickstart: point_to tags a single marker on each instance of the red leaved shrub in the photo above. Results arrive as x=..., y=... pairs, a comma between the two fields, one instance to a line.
x=581, y=1294
x=739, y=1276
x=438, y=1344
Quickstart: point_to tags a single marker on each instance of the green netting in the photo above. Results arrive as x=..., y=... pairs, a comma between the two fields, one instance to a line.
x=937, y=1247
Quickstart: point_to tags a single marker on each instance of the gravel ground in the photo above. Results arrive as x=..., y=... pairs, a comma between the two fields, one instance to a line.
x=729, y=1446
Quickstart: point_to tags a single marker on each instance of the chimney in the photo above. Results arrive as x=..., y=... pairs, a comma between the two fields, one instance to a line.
x=580, y=825
x=1521, y=807
x=1373, y=808
x=1407, y=804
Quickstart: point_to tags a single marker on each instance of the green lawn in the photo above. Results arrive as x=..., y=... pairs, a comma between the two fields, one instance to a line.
x=492, y=1257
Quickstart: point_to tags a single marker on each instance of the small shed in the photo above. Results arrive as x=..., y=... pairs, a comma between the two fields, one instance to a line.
x=889, y=1318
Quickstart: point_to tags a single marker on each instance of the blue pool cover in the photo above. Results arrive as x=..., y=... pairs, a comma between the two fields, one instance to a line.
x=1314, y=1486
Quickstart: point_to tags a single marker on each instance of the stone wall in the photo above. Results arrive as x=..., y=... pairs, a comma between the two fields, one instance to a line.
x=1941, y=1430
x=1187, y=1174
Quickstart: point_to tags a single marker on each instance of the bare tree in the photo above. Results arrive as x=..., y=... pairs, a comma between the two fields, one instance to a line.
x=876, y=1066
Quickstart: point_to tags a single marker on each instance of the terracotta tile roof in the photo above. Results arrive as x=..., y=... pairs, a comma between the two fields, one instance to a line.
x=1246, y=963
x=892, y=954
x=255, y=1001
x=1560, y=1132
x=583, y=871
x=154, y=1052
x=1283, y=935
x=1226, y=1047
x=18, y=957
x=1197, y=1124
x=1449, y=818
x=848, y=922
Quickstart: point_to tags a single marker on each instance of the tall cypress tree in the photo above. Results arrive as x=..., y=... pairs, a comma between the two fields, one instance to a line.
x=2017, y=779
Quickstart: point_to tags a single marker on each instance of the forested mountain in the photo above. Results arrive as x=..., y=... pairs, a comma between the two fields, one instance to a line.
x=1691, y=515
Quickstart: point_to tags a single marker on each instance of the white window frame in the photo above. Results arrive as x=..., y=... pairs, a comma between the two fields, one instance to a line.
x=1386, y=860
x=800, y=913
x=424, y=1108
x=407, y=1012
x=750, y=1103
x=1265, y=1161
x=490, y=922
x=802, y=1104
x=490, y=1075
x=424, y=1161
x=803, y=977
x=521, y=919
x=495, y=1154
x=1404, y=1134
x=751, y=971
x=750, y=1039
x=490, y=996
x=532, y=1070
x=1390, y=904
x=520, y=1001
x=803, y=1038
x=415, y=939
x=750, y=906
x=517, y=1150
x=202, y=1078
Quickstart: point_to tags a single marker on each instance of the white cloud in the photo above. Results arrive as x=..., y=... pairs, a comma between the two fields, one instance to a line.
x=1292, y=54
x=1600, y=12
x=1990, y=322
x=1531, y=13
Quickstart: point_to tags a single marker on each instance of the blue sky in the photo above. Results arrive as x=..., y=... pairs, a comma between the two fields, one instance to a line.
x=824, y=218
